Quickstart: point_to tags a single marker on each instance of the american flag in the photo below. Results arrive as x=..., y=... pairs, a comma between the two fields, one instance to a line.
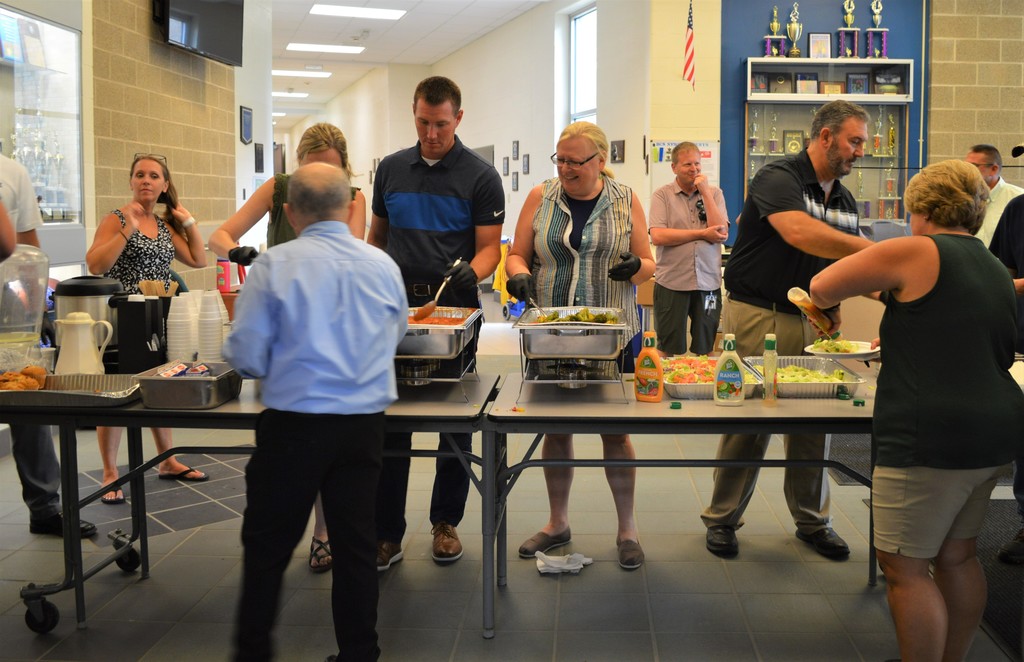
x=688, y=69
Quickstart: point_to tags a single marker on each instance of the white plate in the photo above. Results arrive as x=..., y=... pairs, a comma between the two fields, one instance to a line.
x=863, y=352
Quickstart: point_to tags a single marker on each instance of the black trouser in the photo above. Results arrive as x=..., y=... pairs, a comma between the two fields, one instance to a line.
x=297, y=456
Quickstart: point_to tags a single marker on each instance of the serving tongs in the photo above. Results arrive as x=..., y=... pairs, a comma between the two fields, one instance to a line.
x=540, y=311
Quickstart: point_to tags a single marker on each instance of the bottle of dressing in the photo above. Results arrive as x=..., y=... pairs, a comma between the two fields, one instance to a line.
x=649, y=374
x=729, y=375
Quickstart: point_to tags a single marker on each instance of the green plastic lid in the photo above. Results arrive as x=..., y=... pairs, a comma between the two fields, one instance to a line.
x=729, y=343
x=769, y=341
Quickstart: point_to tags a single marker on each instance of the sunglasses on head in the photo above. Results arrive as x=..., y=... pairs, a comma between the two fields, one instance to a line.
x=160, y=158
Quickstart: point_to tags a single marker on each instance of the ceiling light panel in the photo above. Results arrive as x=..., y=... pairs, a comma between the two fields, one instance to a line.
x=301, y=73
x=325, y=48
x=290, y=95
x=357, y=12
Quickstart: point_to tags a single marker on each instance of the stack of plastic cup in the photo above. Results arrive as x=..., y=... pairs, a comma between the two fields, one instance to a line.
x=211, y=327
x=181, y=335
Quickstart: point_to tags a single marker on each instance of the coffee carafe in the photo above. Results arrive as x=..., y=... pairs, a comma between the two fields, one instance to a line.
x=79, y=353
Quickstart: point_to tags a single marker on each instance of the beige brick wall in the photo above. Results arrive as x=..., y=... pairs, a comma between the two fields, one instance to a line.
x=150, y=97
x=977, y=80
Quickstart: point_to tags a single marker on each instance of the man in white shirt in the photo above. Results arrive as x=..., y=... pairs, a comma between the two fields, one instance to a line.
x=32, y=448
x=688, y=223
x=990, y=164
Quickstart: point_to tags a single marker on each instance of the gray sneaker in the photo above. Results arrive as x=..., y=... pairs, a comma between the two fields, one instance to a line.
x=1013, y=551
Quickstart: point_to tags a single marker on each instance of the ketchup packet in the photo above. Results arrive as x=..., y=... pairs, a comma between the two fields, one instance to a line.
x=174, y=371
x=198, y=370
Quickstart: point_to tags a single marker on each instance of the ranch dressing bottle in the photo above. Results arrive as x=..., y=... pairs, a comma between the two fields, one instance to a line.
x=729, y=375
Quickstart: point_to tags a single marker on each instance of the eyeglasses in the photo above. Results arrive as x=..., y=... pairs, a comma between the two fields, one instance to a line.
x=572, y=165
x=982, y=165
x=702, y=213
x=154, y=157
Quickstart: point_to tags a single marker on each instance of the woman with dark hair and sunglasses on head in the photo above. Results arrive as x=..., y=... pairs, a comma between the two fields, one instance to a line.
x=135, y=243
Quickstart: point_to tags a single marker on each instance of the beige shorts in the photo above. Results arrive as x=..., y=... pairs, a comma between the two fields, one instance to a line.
x=917, y=508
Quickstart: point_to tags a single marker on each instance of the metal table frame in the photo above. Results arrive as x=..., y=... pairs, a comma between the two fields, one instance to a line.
x=545, y=408
x=438, y=407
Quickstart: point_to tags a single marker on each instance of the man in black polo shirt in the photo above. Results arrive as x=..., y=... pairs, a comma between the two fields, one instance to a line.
x=433, y=204
x=796, y=220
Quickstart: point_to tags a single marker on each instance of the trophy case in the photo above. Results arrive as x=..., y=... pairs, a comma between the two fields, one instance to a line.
x=784, y=94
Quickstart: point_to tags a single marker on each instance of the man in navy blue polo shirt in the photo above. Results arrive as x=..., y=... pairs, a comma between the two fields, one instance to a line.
x=434, y=204
x=796, y=220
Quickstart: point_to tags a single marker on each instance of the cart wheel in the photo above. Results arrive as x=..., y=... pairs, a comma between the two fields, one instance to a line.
x=505, y=312
x=130, y=561
x=48, y=620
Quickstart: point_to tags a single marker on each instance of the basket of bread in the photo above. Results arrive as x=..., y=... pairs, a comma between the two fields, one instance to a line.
x=33, y=387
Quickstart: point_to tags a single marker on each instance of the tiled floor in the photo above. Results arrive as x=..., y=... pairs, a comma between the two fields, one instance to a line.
x=777, y=600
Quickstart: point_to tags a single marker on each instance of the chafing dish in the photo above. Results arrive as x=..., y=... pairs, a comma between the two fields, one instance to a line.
x=571, y=340
x=438, y=341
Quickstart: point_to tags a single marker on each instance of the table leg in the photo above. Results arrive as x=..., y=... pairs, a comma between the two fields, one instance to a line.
x=489, y=479
x=73, y=568
x=138, y=483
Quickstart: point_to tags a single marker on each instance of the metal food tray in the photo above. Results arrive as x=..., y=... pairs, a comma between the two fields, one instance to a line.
x=850, y=383
x=570, y=340
x=221, y=385
x=77, y=390
x=433, y=341
x=707, y=391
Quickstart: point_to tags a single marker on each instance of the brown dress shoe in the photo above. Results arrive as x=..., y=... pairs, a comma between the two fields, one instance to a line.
x=447, y=548
x=388, y=553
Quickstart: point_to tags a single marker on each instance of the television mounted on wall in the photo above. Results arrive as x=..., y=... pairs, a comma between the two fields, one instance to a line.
x=211, y=28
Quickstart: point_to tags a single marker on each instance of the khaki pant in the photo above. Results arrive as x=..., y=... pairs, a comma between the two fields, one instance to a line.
x=806, y=489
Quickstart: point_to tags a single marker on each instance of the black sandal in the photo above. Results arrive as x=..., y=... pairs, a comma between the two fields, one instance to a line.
x=318, y=551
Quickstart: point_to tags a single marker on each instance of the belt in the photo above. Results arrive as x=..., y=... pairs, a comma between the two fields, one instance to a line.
x=765, y=303
x=421, y=289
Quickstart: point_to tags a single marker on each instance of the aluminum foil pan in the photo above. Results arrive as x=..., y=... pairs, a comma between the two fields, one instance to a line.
x=438, y=341
x=77, y=391
x=707, y=391
x=570, y=340
x=851, y=380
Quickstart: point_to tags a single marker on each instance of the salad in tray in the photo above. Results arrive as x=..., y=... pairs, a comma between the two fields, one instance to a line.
x=694, y=370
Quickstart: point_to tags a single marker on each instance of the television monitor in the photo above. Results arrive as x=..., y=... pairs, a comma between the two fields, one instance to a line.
x=211, y=28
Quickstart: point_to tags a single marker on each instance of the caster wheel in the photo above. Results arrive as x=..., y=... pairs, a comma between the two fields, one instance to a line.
x=130, y=561
x=49, y=619
x=505, y=312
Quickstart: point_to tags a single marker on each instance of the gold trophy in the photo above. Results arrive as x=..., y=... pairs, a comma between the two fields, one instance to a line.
x=892, y=134
x=876, y=13
x=794, y=30
x=849, y=37
x=848, y=7
x=775, y=25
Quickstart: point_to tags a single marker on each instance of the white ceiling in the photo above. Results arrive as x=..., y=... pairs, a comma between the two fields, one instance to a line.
x=429, y=31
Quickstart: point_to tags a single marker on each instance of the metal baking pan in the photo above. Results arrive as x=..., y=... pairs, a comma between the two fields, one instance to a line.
x=574, y=340
x=221, y=385
x=438, y=341
x=851, y=380
x=77, y=391
x=706, y=391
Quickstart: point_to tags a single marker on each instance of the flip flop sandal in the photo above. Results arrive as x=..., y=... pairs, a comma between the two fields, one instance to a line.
x=113, y=500
x=184, y=475
x=319, y=550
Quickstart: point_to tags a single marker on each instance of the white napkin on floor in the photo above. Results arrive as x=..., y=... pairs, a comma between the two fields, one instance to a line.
x=554, y=564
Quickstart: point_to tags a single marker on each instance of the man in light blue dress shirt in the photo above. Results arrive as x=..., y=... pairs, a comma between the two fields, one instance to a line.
x=318, y=322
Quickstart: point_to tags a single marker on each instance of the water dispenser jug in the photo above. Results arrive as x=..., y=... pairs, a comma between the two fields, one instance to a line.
x=25, y=275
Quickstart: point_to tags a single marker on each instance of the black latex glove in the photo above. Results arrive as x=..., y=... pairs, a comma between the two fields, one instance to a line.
x=520, y=286
x=243, y=255
x=47, y=334
x=625, y=269
x=462, y=276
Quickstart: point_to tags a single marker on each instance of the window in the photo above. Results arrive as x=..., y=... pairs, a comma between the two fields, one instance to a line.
x=583, y=66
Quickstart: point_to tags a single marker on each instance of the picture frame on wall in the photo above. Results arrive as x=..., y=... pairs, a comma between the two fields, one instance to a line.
x=504, y=166
x=515, y=150
x=758, y=83
x=781, y=83
x=526, y=164
x=515, y=181
x=245, y=125
x=819, y=45
x=858, y=84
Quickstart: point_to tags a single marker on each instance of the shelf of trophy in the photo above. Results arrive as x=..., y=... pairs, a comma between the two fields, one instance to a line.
x=869, y=80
